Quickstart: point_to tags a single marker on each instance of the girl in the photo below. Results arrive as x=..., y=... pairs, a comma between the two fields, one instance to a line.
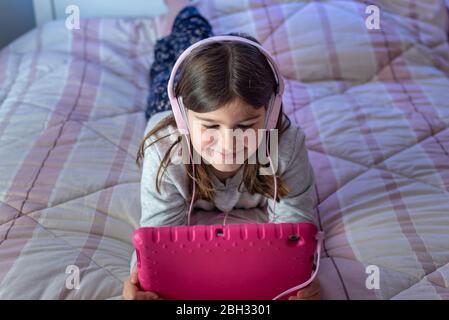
x=224, y=86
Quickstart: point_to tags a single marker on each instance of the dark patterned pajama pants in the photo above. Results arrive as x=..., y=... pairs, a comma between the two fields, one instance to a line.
x=189, y=27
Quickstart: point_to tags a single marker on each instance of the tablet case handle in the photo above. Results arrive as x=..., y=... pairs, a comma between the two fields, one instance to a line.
x=320, y=238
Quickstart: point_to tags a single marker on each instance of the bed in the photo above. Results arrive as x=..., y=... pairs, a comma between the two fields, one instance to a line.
x=374, y=104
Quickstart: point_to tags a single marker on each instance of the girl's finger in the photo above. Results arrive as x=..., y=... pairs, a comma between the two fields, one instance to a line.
x=310, y=290
x=134, y=278
x=305, y=294
x=142, y=295
x=152, y=295
x=316, y=296
x=129, y=291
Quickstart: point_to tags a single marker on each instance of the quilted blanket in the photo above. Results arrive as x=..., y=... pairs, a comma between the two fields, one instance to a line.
x=373, y=102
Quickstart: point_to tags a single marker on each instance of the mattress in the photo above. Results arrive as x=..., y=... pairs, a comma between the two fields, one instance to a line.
x=374, y=104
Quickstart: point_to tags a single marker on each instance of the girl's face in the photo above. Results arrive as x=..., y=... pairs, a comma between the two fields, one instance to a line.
x=228, y=136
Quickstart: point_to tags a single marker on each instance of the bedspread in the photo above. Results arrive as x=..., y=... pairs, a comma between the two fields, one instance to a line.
x=374, y=104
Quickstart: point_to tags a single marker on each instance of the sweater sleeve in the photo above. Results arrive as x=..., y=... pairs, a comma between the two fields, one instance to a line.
x=165, y=209
x=299, y=204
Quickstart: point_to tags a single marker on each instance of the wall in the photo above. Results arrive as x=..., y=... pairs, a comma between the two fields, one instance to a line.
x=16, y=18
x=19, y=16
x=46, y=10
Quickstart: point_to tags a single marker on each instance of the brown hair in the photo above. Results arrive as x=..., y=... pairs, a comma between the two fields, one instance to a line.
x=214, y=75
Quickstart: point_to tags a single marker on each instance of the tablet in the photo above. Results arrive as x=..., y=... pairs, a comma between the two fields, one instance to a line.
x=225, y=262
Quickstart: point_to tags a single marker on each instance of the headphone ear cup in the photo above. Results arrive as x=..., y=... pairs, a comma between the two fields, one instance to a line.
x=273, y=112
x=269, y=109
x=179, y=114
x=183, y=112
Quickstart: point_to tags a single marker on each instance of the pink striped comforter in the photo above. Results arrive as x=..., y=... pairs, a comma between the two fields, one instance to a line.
x=373, y=103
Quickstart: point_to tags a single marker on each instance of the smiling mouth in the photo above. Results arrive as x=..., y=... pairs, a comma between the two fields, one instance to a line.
x=223, y=155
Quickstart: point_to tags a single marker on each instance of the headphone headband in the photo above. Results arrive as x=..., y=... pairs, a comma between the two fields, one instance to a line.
x=178, y=107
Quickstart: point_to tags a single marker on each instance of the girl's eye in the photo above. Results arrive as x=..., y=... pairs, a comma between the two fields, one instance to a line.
x=216, y=126
x=210, y=127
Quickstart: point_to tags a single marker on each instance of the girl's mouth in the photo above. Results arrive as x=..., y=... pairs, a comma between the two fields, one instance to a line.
x=225, y=155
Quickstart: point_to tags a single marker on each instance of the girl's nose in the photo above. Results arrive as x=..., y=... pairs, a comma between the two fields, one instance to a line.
x=228, y=141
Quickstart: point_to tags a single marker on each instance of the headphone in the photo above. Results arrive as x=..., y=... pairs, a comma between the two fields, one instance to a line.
x=274, y=107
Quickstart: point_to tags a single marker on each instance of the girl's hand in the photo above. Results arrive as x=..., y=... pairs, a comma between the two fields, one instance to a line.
x=311, y=292
x=131, y=290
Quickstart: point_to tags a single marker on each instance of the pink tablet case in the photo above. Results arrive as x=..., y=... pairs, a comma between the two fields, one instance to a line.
x=231, y=262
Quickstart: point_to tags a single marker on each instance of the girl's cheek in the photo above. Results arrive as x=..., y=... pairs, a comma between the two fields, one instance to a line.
x=254, y=142
x=208, y=138
x=196, y=141
x=205, y=145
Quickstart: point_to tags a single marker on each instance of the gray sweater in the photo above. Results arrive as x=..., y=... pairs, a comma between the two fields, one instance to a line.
x=170, y=207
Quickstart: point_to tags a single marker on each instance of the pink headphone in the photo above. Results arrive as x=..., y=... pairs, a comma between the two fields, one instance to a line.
x=180, y=114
